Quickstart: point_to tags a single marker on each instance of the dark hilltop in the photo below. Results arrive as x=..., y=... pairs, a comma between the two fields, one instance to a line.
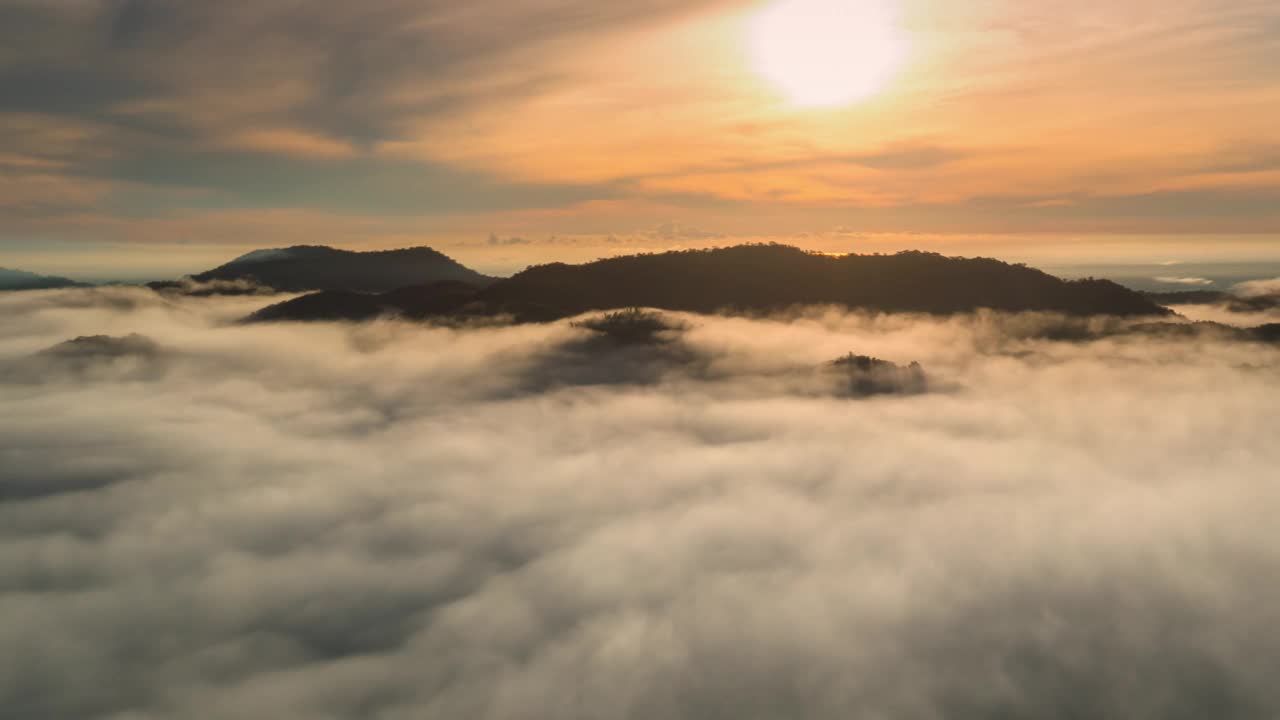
x=22, y=280
x=314, y=267
x=744, y=279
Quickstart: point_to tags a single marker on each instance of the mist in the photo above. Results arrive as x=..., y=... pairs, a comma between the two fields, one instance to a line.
x=396, y=520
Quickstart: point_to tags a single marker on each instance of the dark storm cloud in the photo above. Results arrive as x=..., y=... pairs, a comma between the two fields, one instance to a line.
x=52, y=61
x=384, y=521
x=166, y=94
x=93, y=57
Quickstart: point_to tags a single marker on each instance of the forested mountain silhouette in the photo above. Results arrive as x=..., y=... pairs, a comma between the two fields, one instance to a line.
x=1229, y=301
x=23, y=280
x=773, y=277
x=750, y=279
x=314, y=267
x=1189, y=297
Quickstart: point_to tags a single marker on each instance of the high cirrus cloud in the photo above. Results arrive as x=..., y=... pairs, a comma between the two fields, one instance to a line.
x=390, y=521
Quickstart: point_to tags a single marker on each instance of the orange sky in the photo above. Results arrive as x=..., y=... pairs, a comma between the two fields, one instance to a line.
x=144, y=126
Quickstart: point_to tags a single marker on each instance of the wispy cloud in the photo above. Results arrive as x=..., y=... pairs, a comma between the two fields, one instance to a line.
x=1173, y=280
x=1256, y=288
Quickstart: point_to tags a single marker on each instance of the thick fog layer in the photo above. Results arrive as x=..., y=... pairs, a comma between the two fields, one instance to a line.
x=205, y=520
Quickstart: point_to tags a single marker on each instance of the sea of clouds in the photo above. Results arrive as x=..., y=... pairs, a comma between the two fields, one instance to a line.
x=395, y=521
x=1221, y=313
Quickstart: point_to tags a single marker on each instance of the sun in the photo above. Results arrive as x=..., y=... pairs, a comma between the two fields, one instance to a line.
x=826, y=53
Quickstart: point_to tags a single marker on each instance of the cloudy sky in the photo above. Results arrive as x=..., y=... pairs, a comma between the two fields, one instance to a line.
x=140, y=131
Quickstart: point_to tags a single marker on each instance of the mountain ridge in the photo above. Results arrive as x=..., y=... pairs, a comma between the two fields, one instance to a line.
x=300, y=268
x=750, y=279
x=1229, y=301
x=11, y=279
x=774, y=276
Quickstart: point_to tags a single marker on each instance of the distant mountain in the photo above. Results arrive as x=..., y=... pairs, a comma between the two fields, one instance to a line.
x=1233, y=303
x=1269, y=333
x=21, y=280
x=773, y=277
x=312, y=267
x=746, y=278
x=1190, y=297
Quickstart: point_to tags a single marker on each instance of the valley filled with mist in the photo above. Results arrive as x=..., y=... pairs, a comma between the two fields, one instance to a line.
x=696, y=516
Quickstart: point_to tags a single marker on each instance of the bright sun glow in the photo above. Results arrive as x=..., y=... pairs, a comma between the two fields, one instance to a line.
x=826, y=53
